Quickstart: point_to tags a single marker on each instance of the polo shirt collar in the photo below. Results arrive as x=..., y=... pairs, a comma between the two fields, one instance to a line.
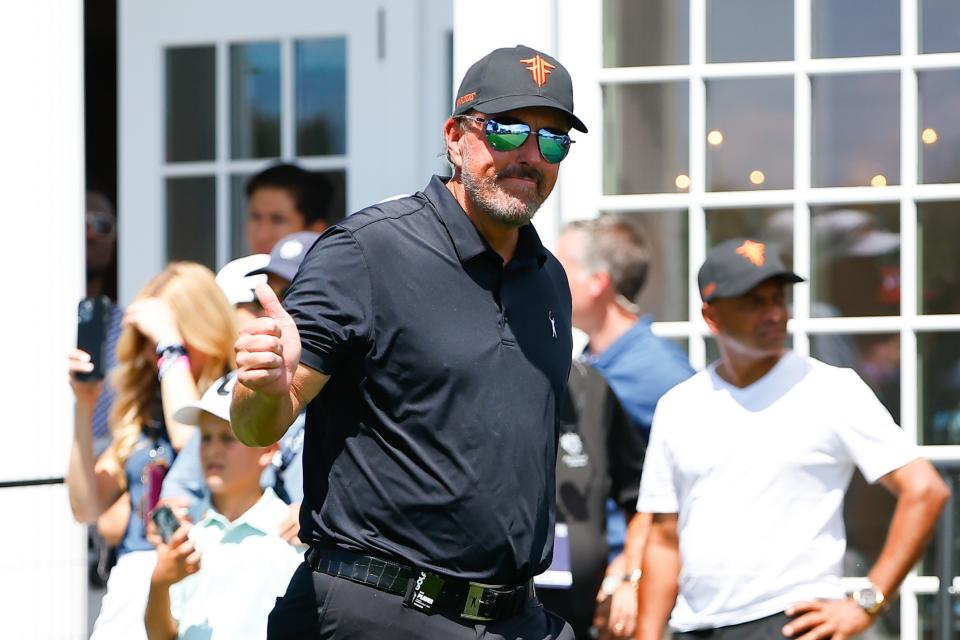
x=260, y=516
x=466, y=238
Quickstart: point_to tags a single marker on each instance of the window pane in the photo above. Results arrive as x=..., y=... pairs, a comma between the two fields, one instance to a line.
x=255, y=100
x=646, y=138
x=774, y=226
x=856, y=261
x=750, y=134
x=939, y=127
x=192, y=220
x=321, y=88
x=652, y=32
x=939, y=26
x=733, y=35
x=238, y=216
x=938, y=366
x=856, y=130
x=665, y=293
x=848, y=28
x=190, y=104
x=938, y=227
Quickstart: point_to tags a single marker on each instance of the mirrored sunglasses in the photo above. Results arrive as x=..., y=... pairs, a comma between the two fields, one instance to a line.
x=100, y=223
x=507, y=136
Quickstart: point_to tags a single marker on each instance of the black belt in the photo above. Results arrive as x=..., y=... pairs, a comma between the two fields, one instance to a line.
x=423, y=590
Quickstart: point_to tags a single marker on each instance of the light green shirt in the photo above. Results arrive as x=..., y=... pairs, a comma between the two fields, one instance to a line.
x=245, y=565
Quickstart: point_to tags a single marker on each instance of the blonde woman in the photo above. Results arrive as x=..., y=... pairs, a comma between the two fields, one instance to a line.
x=177, y=339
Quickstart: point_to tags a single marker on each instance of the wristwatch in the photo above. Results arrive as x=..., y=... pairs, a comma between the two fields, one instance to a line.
x=870, y=600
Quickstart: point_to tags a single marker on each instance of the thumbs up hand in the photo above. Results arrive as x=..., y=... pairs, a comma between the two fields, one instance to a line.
x=268, y=350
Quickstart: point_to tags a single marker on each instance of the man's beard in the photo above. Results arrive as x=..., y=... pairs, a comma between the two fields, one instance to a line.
x=486, y=193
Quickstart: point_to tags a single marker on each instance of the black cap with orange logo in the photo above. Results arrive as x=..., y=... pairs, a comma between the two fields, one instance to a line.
x=734, y=267
x=514, y=78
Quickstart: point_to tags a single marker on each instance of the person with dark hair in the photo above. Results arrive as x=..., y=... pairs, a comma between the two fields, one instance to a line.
x=429, y=340
x=283, y=199
x=607, y=261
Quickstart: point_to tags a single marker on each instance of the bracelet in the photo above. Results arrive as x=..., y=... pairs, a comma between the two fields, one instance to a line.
x=169, y=355
x=634, y=578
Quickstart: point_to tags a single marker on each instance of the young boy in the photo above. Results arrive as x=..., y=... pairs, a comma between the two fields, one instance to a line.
x=220, y=577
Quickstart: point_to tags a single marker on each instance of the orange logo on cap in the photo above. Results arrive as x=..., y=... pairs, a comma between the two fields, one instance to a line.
x=753, y=251
x=539, y=68
x=467, y=97
x=709, y=289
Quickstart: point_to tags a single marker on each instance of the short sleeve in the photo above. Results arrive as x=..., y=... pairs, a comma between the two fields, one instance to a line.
x=330, y=301
x=874, y=441
x=658, y=491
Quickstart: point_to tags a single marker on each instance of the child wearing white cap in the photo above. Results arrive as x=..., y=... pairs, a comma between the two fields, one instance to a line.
x=220, y=576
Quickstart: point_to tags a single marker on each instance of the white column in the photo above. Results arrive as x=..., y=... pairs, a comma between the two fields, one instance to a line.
x=42, y=552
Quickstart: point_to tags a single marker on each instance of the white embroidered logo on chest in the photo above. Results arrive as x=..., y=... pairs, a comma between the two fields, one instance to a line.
x=553, y=323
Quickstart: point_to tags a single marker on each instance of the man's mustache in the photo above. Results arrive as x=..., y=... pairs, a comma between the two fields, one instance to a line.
x=522, y=172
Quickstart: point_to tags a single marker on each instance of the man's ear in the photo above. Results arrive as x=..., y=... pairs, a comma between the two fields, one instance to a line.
x=452, y=133
x=599, y=282
x=709, y=313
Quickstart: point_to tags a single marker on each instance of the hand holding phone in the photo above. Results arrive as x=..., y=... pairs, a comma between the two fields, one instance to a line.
x=93, y=319
x=166, y=521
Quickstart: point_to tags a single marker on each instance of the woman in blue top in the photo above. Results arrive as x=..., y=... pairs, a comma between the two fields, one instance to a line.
x=177, y=339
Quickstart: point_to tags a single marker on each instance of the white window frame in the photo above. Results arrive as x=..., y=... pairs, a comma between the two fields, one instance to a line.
x=585, y=194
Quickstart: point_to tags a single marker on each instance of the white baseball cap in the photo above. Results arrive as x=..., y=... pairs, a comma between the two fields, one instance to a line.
x=215, y=401
x=234, y=281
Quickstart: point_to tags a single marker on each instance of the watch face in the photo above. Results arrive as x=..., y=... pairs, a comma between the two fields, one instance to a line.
x=867, y=598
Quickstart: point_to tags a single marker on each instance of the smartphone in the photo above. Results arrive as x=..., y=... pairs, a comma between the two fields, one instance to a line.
x=166, y=521
x=93, y=320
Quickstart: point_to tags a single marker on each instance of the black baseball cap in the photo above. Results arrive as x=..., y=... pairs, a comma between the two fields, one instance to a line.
x=734, y=267
x=514, y=78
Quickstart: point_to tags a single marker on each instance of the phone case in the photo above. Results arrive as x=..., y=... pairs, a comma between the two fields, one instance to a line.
x=93, y=319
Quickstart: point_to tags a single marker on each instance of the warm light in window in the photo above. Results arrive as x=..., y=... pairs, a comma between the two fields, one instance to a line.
x=682, y=181
x=715, y=138
x=929, y=136
x=757, y=177
x=878, y=180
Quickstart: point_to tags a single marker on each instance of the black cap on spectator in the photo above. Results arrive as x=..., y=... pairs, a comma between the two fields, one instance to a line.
x=736, y=266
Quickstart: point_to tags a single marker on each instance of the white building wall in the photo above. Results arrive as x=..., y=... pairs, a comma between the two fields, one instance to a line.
x=42, y=552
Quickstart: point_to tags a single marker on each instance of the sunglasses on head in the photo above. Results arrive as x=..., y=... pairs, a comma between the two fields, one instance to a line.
x=507, y=136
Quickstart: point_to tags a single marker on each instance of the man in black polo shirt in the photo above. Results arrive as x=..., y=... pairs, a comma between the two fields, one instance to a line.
x=429, y=338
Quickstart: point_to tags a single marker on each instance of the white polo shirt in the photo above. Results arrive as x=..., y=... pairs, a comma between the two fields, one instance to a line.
x=757, y=477
x=244, y=567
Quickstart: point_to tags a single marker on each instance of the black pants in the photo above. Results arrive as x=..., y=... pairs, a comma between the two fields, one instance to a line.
x=769, y=628
x=318, y=606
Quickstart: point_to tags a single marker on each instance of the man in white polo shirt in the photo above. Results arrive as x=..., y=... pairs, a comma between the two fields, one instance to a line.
x=746, y=471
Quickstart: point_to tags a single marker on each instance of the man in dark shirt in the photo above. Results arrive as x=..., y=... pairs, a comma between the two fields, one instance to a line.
x=429, y=338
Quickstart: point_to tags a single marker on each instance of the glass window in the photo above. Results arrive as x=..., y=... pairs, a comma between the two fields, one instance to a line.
x=646, y=138
x=749, y=134
x=321, y=102
x=939, y=127
x=238, y=216
x=652, y=32
x=849, y=28
x=856, y=260
x=191, y=220
x=938, y=392
x=856, y=130
x=774, y=226
x=938, y=227
x=190, y=104
x=255, y=100
x=733, y=36
x=338, y=201
x=665, y=293
x=939, y=26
